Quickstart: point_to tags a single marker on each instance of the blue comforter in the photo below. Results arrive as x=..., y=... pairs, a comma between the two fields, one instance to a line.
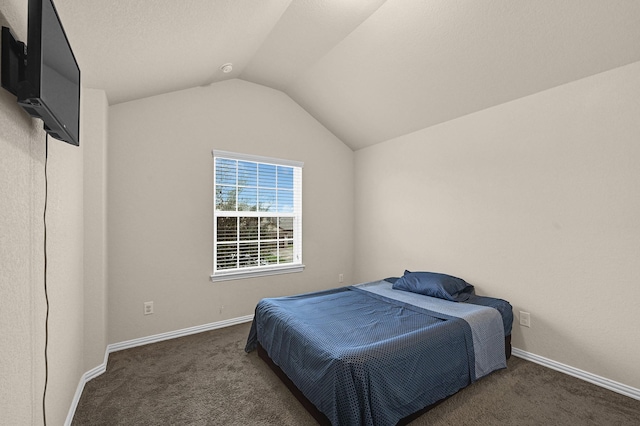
x=362, y=358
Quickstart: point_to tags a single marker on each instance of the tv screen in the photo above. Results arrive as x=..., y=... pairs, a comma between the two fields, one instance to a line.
x=51, y=90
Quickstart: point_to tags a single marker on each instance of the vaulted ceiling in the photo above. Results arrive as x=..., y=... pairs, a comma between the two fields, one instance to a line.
x=368, y=70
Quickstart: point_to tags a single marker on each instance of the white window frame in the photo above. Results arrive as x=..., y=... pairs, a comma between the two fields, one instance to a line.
x=265, y=270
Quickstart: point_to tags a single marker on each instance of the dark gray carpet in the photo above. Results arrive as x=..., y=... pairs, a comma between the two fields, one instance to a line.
x=208, y=379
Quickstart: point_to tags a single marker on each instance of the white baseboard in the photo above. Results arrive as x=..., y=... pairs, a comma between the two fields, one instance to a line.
x=580, y=374
x=114, y=347
x=95, y=372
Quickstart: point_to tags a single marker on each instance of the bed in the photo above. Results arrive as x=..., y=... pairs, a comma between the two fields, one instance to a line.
x=383, y=352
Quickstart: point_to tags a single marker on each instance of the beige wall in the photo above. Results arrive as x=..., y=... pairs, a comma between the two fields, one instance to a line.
x=22, y=298
x=534, y=201
x=21, y=263
x=65, y=276
x=77, y=335
x=95, y=119
x=160, y=203
x=21, y=150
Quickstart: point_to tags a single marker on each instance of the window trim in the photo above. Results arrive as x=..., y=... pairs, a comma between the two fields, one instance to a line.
x=262, y=271
x=259, y=271
x=256, y=158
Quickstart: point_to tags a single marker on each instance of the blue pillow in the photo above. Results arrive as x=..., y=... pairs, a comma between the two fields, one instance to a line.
x=435, y=285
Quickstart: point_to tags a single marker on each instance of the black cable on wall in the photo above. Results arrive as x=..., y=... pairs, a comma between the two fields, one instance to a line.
x=46, y=294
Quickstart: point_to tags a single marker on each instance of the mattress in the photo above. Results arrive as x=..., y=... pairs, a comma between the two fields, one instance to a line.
x=368, y=354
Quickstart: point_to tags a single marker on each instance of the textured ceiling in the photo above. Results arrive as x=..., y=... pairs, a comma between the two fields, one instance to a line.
x=369, y=70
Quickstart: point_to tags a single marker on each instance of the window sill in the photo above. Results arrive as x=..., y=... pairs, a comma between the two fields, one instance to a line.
x=239, y=275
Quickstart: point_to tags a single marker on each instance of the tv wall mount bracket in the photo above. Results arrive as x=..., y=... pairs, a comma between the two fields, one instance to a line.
x=14, y=61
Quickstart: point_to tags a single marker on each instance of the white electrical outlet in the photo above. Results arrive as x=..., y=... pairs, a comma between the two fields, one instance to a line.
x=148, y=308
x=525, y=319
x=340, y=278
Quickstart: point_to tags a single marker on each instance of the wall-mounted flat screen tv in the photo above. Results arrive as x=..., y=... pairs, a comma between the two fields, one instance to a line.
x=48, y=81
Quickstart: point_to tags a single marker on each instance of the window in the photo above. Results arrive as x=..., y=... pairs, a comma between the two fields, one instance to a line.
x=257, y=224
